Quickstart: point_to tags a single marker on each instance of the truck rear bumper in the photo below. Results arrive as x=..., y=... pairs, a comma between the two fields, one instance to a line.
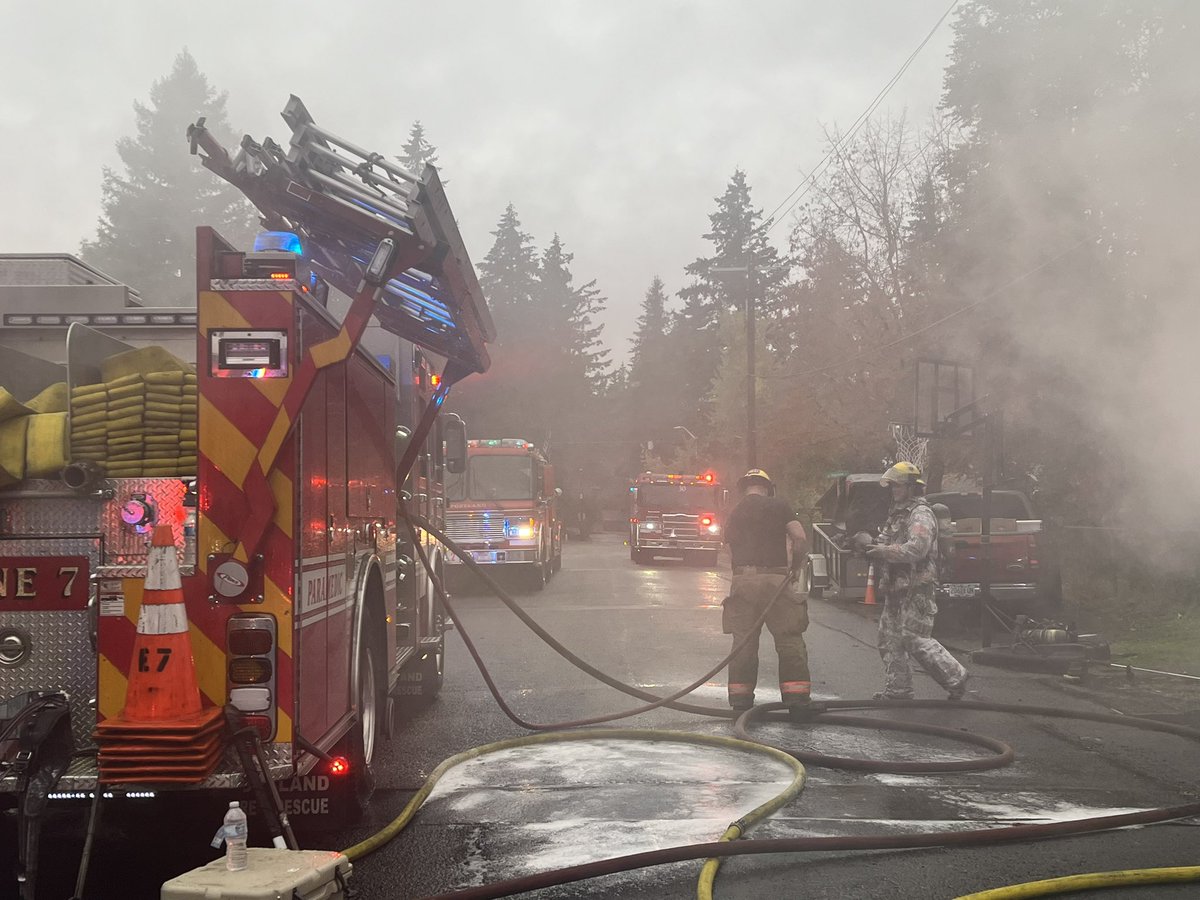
x=677, y=545
x=1004, y=594
x=522, y=556
x=82, y=776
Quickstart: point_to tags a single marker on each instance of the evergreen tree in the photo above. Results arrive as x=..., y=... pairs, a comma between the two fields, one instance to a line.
x=508, y=276
x=418, y=151
x=587, y=348
x=146, y=234
x=555, y=296
x=566, y=317
x=655, y=400
x=651, y=332
x=739, y=238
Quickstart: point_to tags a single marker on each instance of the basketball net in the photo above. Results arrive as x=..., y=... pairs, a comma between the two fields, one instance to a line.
x=909, y=447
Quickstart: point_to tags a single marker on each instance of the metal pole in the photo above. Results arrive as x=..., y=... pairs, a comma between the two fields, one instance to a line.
x=985, y=534
x=751, y=380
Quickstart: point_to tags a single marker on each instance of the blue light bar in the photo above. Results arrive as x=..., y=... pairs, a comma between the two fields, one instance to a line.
x=278, y=240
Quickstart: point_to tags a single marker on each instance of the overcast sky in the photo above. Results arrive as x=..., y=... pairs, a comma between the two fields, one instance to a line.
x=613, y=123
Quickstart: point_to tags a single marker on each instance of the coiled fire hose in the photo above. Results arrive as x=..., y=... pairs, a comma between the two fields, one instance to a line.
x=728, y=845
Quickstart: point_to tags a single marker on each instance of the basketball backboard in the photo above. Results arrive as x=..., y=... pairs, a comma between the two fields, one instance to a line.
x=945, y=397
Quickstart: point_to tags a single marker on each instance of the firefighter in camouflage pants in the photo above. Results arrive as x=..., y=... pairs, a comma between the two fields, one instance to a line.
x=907, y=553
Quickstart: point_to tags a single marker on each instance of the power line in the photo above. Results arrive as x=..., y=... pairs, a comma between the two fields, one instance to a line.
x=810, y=178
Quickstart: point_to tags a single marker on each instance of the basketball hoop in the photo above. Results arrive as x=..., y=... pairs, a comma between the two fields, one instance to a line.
x=909, y=447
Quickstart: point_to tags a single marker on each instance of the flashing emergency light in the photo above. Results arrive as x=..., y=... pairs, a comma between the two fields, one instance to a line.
x=339, y=766
x=708, y=477
x=281, y=276
x=706, y=520
x=522, y=529
x=435, y=380
x=278, y=240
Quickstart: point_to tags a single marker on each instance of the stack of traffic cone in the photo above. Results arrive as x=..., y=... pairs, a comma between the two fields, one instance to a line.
x=164, y=734
x=869, y=599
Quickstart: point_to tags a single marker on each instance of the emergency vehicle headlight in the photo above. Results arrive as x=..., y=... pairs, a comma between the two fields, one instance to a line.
x=250, y=670
x=714, y=528
x=521, y=530
x=648, y=526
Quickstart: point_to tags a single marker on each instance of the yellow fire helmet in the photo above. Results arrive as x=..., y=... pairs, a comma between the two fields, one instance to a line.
x=902, y=473
x=756, y=474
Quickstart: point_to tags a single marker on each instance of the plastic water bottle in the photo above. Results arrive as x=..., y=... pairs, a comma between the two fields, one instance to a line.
x=236, y=831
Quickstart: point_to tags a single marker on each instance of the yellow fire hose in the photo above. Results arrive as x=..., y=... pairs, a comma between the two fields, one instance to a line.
x=1090, y=882
x=704, y=890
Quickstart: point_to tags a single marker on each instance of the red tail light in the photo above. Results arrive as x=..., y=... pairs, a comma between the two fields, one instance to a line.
x=1033, y=553
x=339, y=766
x=262, y=724
x=706, y=520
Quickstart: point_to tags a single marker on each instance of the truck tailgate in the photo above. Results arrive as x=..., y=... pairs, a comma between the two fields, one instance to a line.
x=1013, y=560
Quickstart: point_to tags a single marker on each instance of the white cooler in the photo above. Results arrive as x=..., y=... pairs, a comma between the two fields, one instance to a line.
x=269, y=875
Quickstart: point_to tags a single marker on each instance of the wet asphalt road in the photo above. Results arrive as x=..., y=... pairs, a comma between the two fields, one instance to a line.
x=659, y=627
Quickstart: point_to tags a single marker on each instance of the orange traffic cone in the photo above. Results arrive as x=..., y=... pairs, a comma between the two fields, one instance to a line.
x=869, y=599
x=164, y=733
x=162, y=675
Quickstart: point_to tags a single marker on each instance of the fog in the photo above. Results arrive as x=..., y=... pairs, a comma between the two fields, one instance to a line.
x=614, y=124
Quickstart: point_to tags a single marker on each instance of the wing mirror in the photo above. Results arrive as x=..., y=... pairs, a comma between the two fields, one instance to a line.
x=454, y=433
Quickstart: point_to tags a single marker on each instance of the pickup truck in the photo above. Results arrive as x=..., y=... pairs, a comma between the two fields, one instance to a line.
x=1021, y=579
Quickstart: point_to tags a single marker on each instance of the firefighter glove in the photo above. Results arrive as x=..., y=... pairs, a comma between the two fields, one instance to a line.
x=862, y=542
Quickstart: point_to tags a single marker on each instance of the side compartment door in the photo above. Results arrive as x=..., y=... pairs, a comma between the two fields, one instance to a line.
x=341, y=545
x=312, y=602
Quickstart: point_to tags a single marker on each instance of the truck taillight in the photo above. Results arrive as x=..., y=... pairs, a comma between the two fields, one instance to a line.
x=262, y=724
x=1033, y=553
x=250, y=642
x=251, y=671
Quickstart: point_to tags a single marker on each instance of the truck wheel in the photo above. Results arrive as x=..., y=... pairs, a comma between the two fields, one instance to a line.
x=359, y=745
x=806, y=585
x=537, y=577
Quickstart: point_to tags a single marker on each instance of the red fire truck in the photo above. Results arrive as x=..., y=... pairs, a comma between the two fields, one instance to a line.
x=677, y=516
x=504, y=508
x=316, y=363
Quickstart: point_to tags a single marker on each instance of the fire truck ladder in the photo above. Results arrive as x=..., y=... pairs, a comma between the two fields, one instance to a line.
x=380, y=234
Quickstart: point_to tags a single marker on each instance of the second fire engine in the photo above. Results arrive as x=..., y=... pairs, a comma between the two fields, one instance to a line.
x=504, y=508
x=677, y=516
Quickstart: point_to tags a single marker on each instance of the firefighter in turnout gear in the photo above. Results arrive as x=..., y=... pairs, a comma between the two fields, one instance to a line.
x=758, y=532
x=907, y=559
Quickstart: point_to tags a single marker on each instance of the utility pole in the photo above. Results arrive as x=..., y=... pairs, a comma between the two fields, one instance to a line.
x=751, y=376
